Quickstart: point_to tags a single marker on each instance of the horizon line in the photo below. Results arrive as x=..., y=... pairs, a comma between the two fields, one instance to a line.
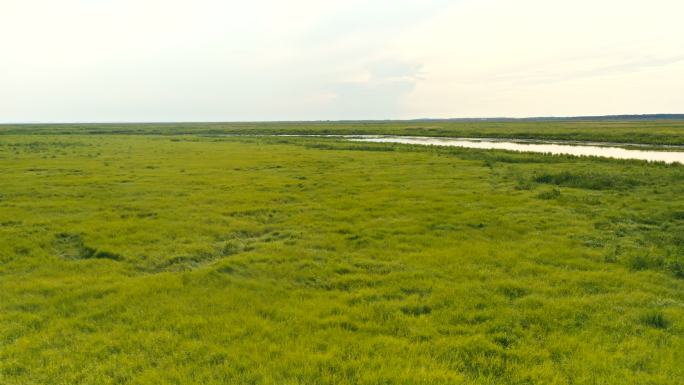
x=658, y=116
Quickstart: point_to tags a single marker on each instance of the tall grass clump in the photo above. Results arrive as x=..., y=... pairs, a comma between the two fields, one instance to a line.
x=591, y=180
x=655, y=319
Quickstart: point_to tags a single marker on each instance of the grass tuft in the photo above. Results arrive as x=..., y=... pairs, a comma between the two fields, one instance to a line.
x=549, y=194
x=416, y=310
x=655, y=319
x=592, y=180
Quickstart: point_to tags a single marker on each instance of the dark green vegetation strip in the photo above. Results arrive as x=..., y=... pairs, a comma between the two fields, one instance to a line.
x=655, y=132
x=151, y=259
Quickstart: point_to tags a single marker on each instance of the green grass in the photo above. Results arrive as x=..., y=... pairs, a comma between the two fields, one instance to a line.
x=192, y=260
x=587, y=180
x=654, y=132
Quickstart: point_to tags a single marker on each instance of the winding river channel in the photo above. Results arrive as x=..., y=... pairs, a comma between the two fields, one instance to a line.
x=674, y=154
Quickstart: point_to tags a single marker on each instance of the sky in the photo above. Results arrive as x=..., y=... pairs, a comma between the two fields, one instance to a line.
x=262, y=60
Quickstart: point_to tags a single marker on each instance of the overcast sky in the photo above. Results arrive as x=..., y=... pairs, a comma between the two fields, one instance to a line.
x=210, y=60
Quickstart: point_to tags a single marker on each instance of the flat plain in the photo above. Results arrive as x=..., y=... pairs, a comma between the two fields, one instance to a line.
x=153, y=255
x=656, y=132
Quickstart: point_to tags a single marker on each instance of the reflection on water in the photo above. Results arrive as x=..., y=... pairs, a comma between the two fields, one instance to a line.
x=547, y=148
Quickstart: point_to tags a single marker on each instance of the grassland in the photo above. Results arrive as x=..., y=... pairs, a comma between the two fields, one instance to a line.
x=656, y=132
x=182, y=259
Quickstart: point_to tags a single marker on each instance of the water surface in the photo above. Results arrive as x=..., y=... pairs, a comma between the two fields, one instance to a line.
x=546, y=148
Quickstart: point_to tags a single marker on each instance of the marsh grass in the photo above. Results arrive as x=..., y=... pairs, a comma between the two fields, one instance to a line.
x=655, y=319
x=549, y=194
x=656, y=132
x=318, y=261
x=592, y=181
